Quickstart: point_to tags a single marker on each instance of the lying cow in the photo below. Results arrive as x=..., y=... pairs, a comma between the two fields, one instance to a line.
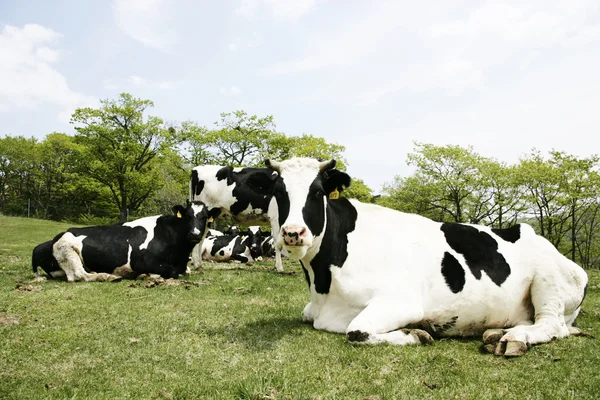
x=153, y=245
x=244, y=248
x=238, y=192
x=440, y=279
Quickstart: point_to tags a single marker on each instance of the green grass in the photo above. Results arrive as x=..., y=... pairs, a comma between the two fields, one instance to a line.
x=235, y=332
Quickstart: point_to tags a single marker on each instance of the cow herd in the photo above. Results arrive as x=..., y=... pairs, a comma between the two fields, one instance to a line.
x=375, y=274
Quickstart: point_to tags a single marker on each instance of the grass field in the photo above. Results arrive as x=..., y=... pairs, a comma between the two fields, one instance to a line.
x=235, y=332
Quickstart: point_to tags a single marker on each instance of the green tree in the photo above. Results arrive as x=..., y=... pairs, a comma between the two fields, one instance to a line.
x=121, y=147
x=17, y=166
x=359, y=190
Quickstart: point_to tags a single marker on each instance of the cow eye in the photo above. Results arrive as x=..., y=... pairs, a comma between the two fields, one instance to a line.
x=320, y=193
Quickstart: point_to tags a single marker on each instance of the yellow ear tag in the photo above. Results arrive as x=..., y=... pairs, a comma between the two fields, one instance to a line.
x=334, y=195
x=210, y=219
x=178, y=214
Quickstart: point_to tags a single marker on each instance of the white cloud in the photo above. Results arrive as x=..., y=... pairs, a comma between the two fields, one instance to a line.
x=146, y=21
x=247, y=42
x=233, y=90
x=27, y=76
x=137, y=82
x=279, y=10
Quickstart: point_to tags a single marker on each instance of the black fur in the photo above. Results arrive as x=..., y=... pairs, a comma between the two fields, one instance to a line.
x=511, y=234
x=341, y=220
x=479, y=249
x=42, y=257
x=453, y=272
x=254, y=187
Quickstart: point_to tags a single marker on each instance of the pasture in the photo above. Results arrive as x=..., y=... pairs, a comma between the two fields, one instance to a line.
x=234, y=331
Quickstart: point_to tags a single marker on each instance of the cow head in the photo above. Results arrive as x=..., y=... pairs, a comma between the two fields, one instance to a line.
x=255, y=238
x=302, y=194
x=195, y=215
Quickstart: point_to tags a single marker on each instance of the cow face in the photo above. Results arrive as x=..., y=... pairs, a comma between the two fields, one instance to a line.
x=196, y=216
x=302, y=194
x=255, y=238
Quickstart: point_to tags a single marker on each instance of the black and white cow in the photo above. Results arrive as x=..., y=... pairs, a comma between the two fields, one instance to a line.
x=238, y=192
x=153, y=245
x=380, y=275
x=43, y=258
x=232, y=230
x=268, y=246
x=244, y=247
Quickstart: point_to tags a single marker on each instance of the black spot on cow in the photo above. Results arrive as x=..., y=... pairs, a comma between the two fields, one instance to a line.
x=306, y=276
x=42, y=257
x=453, y=272
x=479, y=249
x=511, y=234
x=357, y=336
x=222, y=253
x=341, y=220
x=254, y=187
x=197, y=184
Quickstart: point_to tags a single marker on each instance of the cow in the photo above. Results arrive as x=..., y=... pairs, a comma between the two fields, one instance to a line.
x=246, y=247
x=43, y=258
x=238, y=192
x=268, y=246
x=159, y=244
x=232, y=230
x=214, y=232
x=384, y=276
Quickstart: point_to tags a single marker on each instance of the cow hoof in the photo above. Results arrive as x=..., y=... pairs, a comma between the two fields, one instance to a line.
x=500, y=349
x=114, y=278
x=492, y=336
x=422, y=336
x=490, y=348
x=515, y=349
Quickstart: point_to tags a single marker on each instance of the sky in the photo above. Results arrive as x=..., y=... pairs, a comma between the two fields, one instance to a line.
x=375, y=76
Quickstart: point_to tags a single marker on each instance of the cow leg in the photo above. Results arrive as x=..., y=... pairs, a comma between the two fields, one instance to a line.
x=197, y=256
x=278, y=262
x=380, y=320
x=549, y=323
x=67, y=251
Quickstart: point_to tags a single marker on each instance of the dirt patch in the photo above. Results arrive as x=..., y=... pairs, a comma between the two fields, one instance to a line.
x=7, y=320
x=152, y=281
x=29, y=288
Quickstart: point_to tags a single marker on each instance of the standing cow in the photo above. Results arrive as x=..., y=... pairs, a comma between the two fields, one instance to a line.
x=238, y=192
x=244, y=247
x=153, y=245
x=383, y=276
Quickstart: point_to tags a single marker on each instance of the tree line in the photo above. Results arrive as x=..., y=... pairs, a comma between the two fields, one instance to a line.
x=558, y=194
x=122, y=163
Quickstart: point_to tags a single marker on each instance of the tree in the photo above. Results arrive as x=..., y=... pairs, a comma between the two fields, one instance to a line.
x=120, y=148
x=17, y=165
x=239, y=139
x=359, y=190
x=282, y=147
x=56, y=159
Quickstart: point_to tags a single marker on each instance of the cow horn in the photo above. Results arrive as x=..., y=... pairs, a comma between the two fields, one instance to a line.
x=327, y=165
x=273, y=164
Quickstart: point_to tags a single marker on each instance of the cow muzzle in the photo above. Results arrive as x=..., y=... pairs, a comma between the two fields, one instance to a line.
x=194, y=238
x=296, y=236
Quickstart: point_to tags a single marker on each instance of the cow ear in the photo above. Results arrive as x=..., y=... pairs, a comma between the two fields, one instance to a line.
x=179, y=210
x=214, y=213
x=335, y=180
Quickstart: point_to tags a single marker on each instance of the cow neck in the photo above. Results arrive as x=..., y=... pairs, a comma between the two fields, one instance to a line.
x=331, y=248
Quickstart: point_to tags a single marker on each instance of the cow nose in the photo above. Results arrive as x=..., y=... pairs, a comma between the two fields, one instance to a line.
x=294, y=235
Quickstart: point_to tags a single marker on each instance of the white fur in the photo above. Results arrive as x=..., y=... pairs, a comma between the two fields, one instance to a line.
x=392, y=278
x=67, y=251
x=148, y=223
